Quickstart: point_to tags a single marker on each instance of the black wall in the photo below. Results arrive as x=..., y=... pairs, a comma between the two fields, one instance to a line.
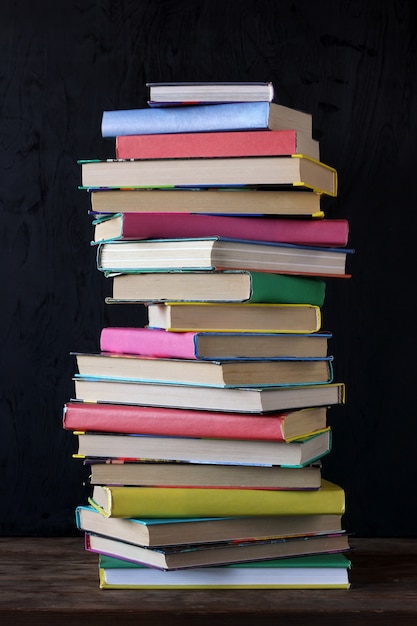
x=352, y=64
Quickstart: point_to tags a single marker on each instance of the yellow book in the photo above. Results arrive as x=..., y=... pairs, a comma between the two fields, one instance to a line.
x=116, y=501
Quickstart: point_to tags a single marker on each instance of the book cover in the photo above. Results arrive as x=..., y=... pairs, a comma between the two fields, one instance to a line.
x=297, y=453
x=233, y=373
x=325, y=571
x=202, y=118
x=191, y=93
x=161, y=343
x=220, y=253
x=140, y=502
x=171, y=558
x=247, y=317
x=318, y=232
x=216, y=144
x=296, y=170
x=174, y=531
x=249, y=399
x=145, y=420
x=296, y=201
x=174, y=474
x=217, y=286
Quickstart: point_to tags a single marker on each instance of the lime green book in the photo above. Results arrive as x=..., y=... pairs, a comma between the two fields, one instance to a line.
x=119, y=501
x=325, y=571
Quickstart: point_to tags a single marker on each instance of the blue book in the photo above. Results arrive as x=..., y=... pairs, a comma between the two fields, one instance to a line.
x=205, y=118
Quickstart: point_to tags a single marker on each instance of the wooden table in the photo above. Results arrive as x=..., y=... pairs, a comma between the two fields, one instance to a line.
x=54, y=582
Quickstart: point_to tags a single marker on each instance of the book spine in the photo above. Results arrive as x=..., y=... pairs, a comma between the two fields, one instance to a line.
x=150, y=342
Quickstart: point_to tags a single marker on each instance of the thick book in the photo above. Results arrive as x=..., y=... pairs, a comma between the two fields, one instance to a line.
x=147, y=420
x=217, y=286
x=203, y=118
x=191, y=93
x=161, y=343
x=247, y=317
x=221, y=144
x=172, y=531
x=249, y=399
x=294, y=202
x=114, y=501
x=233, y=373
x=297, y=453
x=200, y=555
x=296, y=170
x=318, y=232
x=217, y=253
x=324, y=571
x=141, y=473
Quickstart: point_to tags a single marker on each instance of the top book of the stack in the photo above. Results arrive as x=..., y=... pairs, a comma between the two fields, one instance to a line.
x=182, y=93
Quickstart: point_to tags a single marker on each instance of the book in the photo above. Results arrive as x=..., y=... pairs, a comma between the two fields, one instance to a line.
x=313, y=232
x=325, y=571
x=296, y=170
x=297, y=201
x=233, y=373
x=247, y=317
x=172, y=531
x=297, y=453
x=200, y=555
x=158, y=342
x=147, y=420
x=141, y=473
x=216, y=144
x=216, y=253
x=250, y=399
x=119, y=501
x=202, y=118
x=217, y=286
x=201, y=92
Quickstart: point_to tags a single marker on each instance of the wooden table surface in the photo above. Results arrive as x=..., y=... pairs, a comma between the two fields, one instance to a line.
x=54, y=582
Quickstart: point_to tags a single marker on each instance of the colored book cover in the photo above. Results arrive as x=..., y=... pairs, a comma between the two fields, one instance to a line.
x=168, y=421
x=160, y=343
x=216, y=144
x=315, y=232
x=203, y=118
x=178, y=502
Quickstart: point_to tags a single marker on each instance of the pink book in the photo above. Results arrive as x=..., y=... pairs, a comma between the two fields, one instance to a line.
x=145, y=420
x=160, y=343
x=315, y=232
x=216, y=144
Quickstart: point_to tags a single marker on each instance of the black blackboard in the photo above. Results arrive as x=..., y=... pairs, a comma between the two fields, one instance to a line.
x=353, y=66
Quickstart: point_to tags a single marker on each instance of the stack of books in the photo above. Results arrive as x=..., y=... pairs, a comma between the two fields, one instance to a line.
x=203, y=431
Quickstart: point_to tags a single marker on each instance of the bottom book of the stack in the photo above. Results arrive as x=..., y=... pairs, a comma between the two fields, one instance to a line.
x=324, y=571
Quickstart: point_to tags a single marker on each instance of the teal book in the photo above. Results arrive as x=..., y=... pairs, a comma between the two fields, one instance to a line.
x=324, y=571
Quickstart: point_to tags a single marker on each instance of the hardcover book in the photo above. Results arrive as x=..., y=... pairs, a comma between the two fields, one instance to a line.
x=297, y=453
x=146, y=420
x=203, y=118
x=216, y=144
x=173, y=531
x=114, y=501
x=203, y=345
x=324, y=571
x=249, y=399
x=296, y=201
x=296, y=170
x=210, y=92
x=200, y=555
x=216, y=253
x=233, y=373
x=313, y=232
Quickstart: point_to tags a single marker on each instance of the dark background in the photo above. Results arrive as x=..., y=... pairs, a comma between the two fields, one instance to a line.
x=352, y=64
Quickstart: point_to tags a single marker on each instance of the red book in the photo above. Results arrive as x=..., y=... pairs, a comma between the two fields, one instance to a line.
x=171, y=422
x=314, y=232
x=216, y=144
